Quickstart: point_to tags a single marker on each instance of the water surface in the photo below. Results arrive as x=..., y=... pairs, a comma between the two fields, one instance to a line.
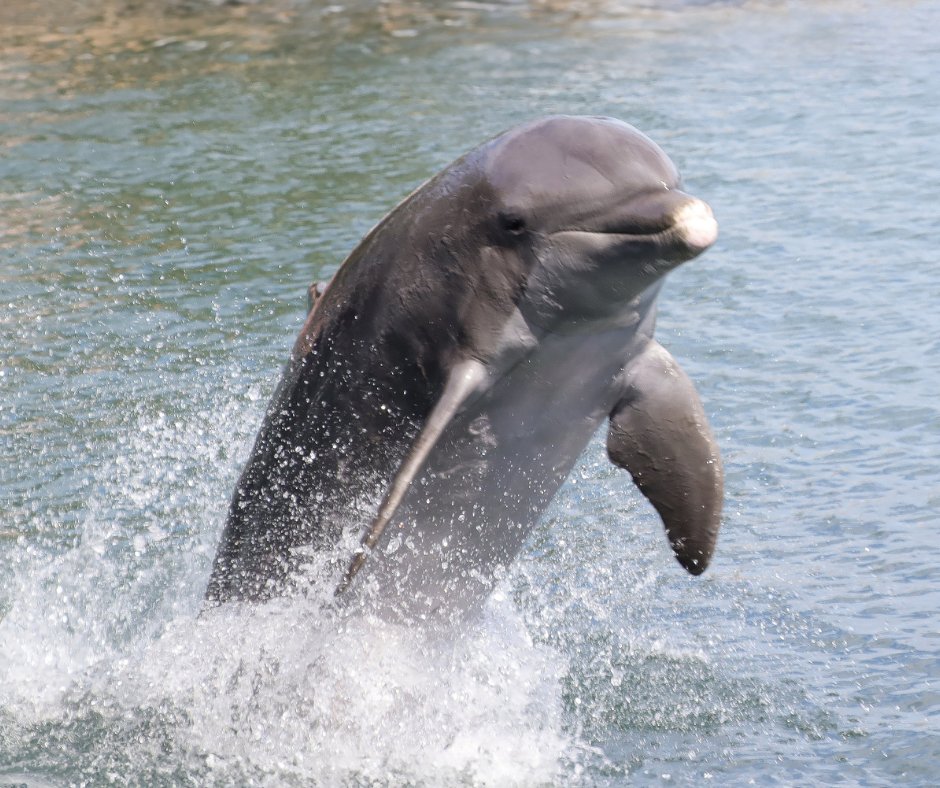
x=173, y=176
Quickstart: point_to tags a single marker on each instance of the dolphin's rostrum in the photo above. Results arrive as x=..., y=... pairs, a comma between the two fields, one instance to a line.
x=451, y=373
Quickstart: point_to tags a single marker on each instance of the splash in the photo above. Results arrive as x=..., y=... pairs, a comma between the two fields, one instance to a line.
x=297, y=690
x=109, y=667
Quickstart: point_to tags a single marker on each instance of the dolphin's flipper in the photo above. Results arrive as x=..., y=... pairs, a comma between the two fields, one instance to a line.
x=464, y=379
x=659, y=433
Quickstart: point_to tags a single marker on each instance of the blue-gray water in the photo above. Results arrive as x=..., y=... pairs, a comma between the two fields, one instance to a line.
x=172, y=176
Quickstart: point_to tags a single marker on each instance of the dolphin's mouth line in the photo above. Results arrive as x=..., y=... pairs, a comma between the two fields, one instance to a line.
x=693, y=225
x=647, y=237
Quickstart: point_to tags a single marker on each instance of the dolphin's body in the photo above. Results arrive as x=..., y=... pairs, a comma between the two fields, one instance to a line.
x=459, y=362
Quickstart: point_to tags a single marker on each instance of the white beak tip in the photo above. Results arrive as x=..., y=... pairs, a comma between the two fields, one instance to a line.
x=696, y=225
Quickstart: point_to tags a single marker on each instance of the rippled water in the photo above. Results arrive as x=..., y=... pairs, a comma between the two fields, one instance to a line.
x=172, y=176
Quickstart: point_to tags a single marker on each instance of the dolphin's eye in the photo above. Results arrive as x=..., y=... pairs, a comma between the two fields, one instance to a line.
x=512, y=223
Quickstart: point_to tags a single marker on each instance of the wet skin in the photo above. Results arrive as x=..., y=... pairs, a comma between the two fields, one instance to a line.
x=452, y=372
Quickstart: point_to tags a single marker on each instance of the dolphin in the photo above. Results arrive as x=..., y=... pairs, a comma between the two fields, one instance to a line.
x=454, y=369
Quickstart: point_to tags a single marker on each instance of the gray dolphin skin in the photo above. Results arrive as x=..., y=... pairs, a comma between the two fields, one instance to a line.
x=449, y=376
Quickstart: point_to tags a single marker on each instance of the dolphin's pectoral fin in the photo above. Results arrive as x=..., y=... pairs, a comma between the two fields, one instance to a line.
x=659, y=433
x=463, y=380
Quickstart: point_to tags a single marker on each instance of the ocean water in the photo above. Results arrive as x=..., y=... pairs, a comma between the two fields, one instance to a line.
x=172, y=177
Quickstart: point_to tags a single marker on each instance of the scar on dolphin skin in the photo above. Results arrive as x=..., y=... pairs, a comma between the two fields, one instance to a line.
x=459, y=362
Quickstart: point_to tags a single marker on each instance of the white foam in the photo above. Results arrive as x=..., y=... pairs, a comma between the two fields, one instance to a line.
x=290, y=690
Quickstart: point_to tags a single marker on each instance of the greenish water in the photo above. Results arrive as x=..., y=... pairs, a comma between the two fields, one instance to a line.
x=171, y=180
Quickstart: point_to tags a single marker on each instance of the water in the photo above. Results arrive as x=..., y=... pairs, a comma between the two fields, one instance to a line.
x=172, y=176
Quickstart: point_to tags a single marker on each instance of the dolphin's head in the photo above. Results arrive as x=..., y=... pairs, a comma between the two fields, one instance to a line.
x=598, y=206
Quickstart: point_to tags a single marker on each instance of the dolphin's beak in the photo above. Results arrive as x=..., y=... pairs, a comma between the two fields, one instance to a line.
x=677, y=224
x=685, y=225
x=694, y=225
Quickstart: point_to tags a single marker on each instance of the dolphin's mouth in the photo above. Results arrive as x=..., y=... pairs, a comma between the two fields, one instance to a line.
x=690, y=228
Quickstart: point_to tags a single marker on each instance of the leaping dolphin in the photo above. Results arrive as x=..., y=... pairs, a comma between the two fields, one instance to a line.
x=452, y=372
